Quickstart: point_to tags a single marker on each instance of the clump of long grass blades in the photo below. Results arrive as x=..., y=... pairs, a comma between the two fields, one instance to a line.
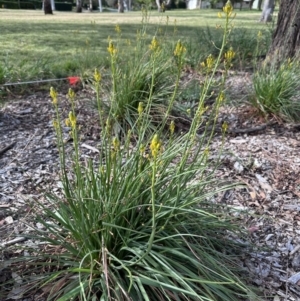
x=276, y=90
x=137, y=222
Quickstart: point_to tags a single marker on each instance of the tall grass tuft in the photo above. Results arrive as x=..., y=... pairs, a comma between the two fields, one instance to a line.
x=138, y=222
x=276, y=90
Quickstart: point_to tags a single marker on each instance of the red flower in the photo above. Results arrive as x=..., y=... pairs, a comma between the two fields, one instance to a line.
x=73, y=80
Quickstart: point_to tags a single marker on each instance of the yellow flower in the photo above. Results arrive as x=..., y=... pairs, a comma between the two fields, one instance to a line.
x=97, y=76
x=210, y=62
x=228, y=8
x=72, y=119
x=221, y=97
x=225, y=127
x=220, y=15
x=116, y=143
x=229, y=55
x=111, y=48
x=71, y=94
x=172, y=127
x=206, y=152
x=155, y=146
x=53, y=95
x=154, y=46
x=67, y=122
x=259, y=35
x=179, y=49
x=140, y=108
x=118, y=29
x=55, y=124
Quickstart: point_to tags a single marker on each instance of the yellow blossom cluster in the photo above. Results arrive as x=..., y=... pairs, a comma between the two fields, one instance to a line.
x=118, y=29
x=116, y=143
x=172, y=127
x=97, y=76
x=179, y=49
x=140, y=108
x=111, y=48
x=229, y=56
x=154, y=46
x=71, y=94
x=209, y=63
x=155, y=146
x=53, y=95
x=227, y=9
x=71, y=121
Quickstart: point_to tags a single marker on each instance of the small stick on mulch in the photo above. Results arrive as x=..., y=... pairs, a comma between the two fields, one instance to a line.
x=5, y=149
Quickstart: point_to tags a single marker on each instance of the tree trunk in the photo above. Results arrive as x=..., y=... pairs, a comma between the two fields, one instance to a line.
x=48, y=7
x=286, y=38
x=266, y=15
x=91, y=6
x=78, y=6
x=120, y=6
x=259, y=4
x=251, y=4
x=158, y=5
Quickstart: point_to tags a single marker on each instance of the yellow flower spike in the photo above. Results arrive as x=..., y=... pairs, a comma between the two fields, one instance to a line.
x=72, y=119
x=67, y=122
x=140, y=108
x=155, y=146
x=220, y=15
x=259, y=35
x=116, y=143
x=221, y=97
x=118, y=29
x=111, y=48
x=55, y=124
x=172, y=127
x=228, y=8
x=225, y=127
x=71, y=94
x=229, y=55
x=210, y=62
x=179, y=49
x=154, y=46
x=53, y=95
x=97, y=76
x=206, y=152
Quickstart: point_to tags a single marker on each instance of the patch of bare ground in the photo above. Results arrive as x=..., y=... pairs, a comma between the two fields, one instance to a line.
x=262, y=155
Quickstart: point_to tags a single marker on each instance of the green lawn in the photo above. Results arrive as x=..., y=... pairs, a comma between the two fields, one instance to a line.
x=34, y=46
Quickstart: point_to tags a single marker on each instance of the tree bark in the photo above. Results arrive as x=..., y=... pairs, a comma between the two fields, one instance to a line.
x=48, y=7
x=286, y=38
x=78, y=6
x=259, y=4
x=120, y=6
x=266, y=15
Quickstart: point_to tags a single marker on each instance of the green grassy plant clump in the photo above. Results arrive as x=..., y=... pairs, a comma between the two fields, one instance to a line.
x=276, y=90
x=137, y=222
